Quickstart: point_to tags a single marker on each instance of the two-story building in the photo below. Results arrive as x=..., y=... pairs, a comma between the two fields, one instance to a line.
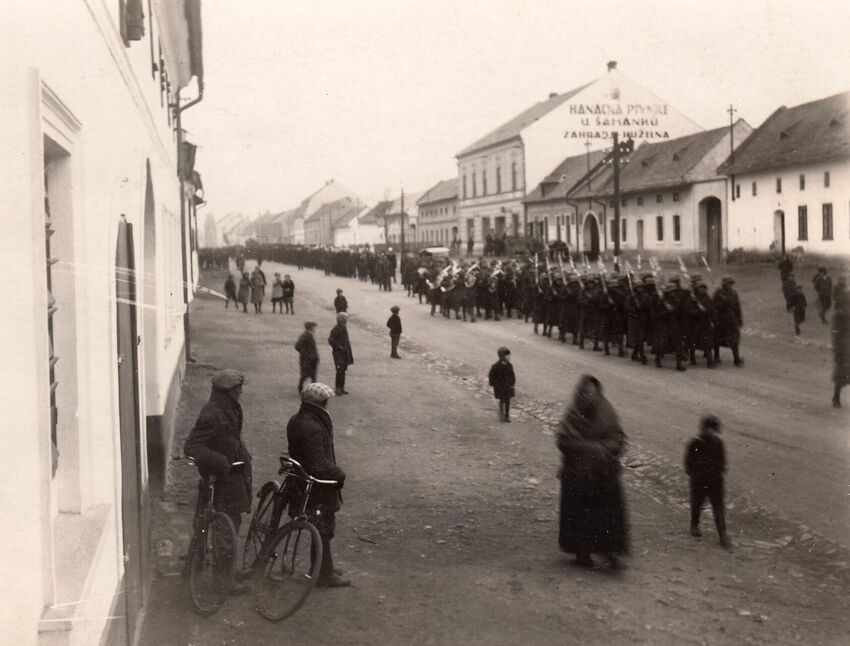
x=330, y=191
x=790, y=181
x=438, y=219
x=497, y=170
x=97, y=235
x=319, y=227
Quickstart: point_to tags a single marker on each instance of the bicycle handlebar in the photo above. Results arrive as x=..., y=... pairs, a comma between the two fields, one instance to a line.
x=190, y=460
x=285, y=461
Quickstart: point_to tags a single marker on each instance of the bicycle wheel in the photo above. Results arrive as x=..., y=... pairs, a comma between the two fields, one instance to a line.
x=263, y=524
x=212, y=561
x=287, y=570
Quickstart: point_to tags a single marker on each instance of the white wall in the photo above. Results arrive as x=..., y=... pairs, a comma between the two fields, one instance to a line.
x=751, y=218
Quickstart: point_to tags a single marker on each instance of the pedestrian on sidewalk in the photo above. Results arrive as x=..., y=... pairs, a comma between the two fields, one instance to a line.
x=798, y=305
x=289, y=294
x=840, y=340
x=705, y=464
x=593, y=509
x=823, y=288
x=215, y=443
x=277, y=293
x=340, y=302
x=341, y=349
x=230, y=292
x=503, y=380
x=310, y=438
x=258, y=290
x=394, y=324
x=245, y=291
x=308, y=354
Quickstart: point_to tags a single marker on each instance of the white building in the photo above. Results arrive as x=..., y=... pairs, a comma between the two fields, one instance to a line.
x=790, y=181
x=392, y=217
x=497, y=170
x=331, y=191
x=438, y=221
x=96, y=237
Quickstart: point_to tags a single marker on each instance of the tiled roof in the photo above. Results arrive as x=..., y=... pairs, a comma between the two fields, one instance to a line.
x=515, y=126
x=444, y=190
x=657, y=165
x=332, y=208
x=807, y=133
x=566, y=174
x=376, y=212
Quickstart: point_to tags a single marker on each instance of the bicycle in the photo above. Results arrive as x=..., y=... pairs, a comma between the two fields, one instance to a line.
x=288, y=558
x=211, y=559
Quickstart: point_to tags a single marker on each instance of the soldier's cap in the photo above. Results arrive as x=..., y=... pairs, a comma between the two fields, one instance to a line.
x=227, y=379
x=670, y=287
x=697, y=284
x=317, y=393
x=728, y=280
x=573, y=279
x=648, y=279
x=709, y=421
x=696, y=277
x=675, y=279
x=394, y=309
x=503, y=351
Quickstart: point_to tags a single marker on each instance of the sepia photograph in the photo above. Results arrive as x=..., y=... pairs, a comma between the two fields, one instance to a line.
x=572, y=340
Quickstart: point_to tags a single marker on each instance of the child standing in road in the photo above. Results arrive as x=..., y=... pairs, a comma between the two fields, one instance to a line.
x=705, y=464
x=277, y=293
x=340, y=302
x=503, y=380
x=798, y=304
x=394, y=324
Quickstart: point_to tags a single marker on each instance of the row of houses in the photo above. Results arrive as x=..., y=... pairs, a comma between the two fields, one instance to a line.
x=547, y=173
x=100, y=199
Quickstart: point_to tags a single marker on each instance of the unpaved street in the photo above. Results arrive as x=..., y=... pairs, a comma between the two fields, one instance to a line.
x=449, y=528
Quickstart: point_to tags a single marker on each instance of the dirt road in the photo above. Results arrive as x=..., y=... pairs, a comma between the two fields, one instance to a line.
x=449, y=529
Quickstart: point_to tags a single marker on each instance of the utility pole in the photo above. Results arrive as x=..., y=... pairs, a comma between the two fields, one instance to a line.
x=587, y=146
x=402, y=221
x=619, y=149
x=731, y=112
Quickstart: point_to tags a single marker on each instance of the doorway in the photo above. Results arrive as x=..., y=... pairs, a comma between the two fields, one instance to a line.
x=132, y=507
x=779, y=231
x=711, y=232
x=590, y=238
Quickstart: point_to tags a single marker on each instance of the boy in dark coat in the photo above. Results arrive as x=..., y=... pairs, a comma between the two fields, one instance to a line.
x=341, y=350
x=308, y=354
x=705, y=464
x=340, y=302
x=230, y=292
x=823, y=288
x=394, y=324
x=503, y=380
x=310, y=437
x=798, y=304
x=289, y=294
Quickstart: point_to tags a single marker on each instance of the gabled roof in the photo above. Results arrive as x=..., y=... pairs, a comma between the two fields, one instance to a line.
x=441, y=191
x=376, y=213
x=332, y=208
x=514, y=127
x=566, y=174
x=665, y=164
x=808, y=133
x=350, y=216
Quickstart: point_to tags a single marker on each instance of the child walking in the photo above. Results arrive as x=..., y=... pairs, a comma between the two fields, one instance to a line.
x=705, y=464
x=798, y=304
x=503, y=380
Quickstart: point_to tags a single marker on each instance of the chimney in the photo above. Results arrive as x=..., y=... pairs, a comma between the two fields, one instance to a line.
x=552, y=95
x=612, y=65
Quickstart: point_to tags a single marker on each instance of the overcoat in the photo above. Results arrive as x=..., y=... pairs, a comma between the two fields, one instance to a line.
x=310, y=436
x=340, y=346
x=841, y=341
x=727, y=310
x=502, y=379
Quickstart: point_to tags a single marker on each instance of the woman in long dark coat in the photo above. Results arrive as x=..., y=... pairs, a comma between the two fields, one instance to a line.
x=593, y=510
x=840, y=341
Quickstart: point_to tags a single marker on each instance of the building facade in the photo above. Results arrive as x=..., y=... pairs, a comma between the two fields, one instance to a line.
x=331, y=191
x=319, y=228
x=790, y=181
x=438, y=218
x=495, y=171
x=98, y=231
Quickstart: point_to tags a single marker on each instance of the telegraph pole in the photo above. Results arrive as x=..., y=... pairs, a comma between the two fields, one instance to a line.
x=402, y=221
x=731, y=112
x=616, y=161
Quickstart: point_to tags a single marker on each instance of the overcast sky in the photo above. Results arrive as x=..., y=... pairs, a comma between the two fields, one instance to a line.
x=381, y=94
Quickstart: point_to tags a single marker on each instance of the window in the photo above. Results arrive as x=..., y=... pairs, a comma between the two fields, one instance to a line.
x=612, y=203
x=802, y=182
x=778, y=184
x=659, y=228
x=675, y=197
x=640, y=200
x=557, y=227
x=737, y=190
x=755, y=189
x=658, y=198
x=513, y=176
x=474, y=185
x=484, y=182
x=827, y=221
x=613, y=229
x=677, y=228
x=464, y=187
x=802, y=223
x=624, y=202
x=826, y=179
x=623, y=228
x=498, y=179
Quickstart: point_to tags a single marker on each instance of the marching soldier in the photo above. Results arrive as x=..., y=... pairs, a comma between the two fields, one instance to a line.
x=701, y=323
x=589, y=325
x=729, y=320
x=570, y=310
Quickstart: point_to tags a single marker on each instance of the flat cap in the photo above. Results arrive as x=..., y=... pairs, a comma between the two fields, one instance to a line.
x=394, y=309
x=728, y=280
x=317, y=393
x=227, y=379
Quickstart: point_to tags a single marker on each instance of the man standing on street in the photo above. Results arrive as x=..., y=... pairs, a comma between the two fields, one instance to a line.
x=289, y=294
x=215, y=443
x=823, y=288
x=341, y=349
x=340, y=302
x=311, y=441
x=394, y=324
x=308, y=354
